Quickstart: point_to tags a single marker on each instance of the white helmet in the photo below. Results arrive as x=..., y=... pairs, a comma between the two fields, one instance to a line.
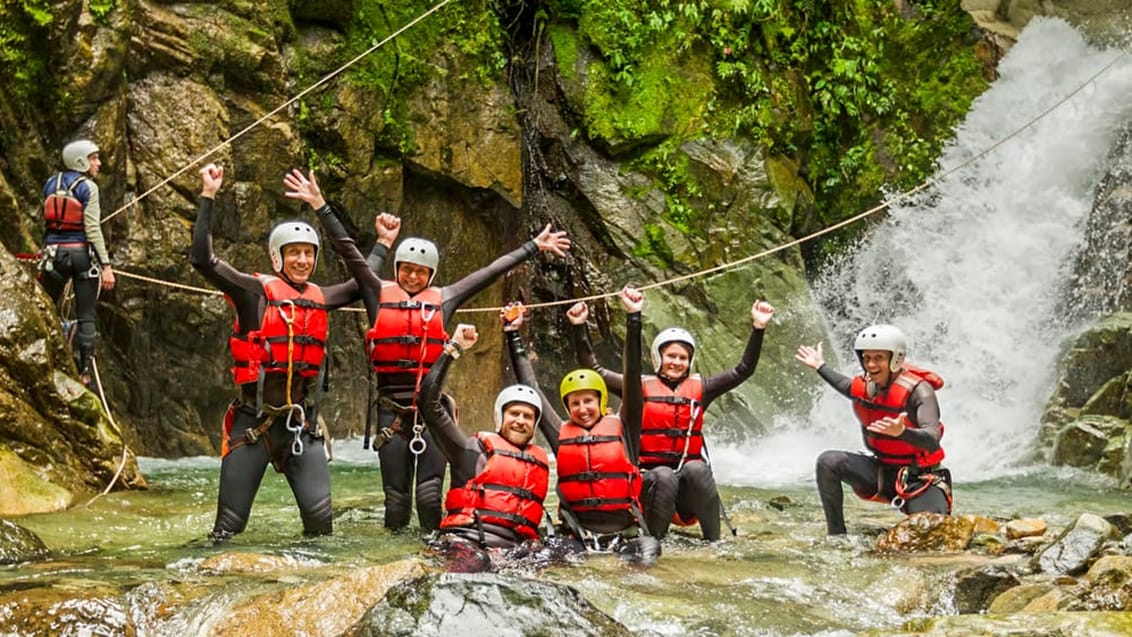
x=287, y=233
x=76, y=155
x=516, y=394
x=882, y=337
x=673, y=335
x=420, y=252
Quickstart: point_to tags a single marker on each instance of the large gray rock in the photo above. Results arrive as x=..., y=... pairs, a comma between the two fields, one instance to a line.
x=1076, y=547
x=484, y=604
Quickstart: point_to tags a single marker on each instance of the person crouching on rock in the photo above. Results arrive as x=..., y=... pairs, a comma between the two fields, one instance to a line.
x=896, y=405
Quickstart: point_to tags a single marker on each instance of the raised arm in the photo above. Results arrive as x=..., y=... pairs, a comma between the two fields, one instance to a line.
x=242, y=288
x=460, y=449
x=458, y=293
x=812, y=357
x=719, y=384
x=578, y=314
x=632, y=399
x=550, y=423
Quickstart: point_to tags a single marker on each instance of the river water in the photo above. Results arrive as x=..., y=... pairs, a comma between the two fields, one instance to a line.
x=972, y=272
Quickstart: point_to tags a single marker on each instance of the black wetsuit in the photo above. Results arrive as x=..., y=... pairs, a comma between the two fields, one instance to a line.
x=602, y=523
x=77, y=256
x=398, y=463
x=242, y=469
x=870, y=478
x=691, y=491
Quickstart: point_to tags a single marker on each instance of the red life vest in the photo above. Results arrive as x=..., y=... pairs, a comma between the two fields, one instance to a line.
x=594, y=472
x=508, y=492
x=62, y=210
x=408, y=335
x=668, y=432
x=275, y=346
x=890, y=402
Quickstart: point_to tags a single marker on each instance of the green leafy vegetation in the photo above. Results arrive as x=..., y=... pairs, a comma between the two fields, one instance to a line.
x=859, y=96
x=22, y=35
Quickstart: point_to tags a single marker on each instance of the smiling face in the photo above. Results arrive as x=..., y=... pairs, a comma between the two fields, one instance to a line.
x=674, y=360
x=95, y=164
x=876, y=364
x=412, y=277
x=518, y=426
x=584, y=407
x=298, y=262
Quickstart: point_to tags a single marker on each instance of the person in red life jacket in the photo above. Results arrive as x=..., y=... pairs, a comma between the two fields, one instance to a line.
x=74, y=248
x=678, y=481
x=405, y=339
x=278, y=345
x=499, y=479
x=599, y=484
x=900, y=420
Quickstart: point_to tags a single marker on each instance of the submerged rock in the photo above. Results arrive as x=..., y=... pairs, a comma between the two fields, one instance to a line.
x=18, y=544
x=485, y=604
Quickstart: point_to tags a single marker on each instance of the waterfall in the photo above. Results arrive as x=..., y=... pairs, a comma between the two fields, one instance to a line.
x=973, y=270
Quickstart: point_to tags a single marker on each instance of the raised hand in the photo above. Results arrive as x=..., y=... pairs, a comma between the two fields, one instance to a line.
x=211, y=178
x=304, y=188
x=465, y=335
x=810, y=356
x=555, y=242
x=578, y=313
x=388, y=227
x=512, y=316
x=761, y=313
x=633, y=299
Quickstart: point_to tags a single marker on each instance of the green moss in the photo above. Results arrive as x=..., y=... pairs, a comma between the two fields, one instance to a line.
x=470, y=30
x=859, y=96
x=101, y=9
x=23, y=36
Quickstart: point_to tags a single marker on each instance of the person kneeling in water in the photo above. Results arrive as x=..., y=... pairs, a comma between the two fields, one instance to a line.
x=499, y=479
x=599, y=484
x=899, y=414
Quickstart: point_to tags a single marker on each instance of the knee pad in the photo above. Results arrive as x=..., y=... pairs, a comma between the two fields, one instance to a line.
x=428, y=504
x=318, y=519
x=398, y=506
x=228, y=523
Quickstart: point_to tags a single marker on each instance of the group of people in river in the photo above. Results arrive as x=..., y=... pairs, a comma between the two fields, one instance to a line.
x=621, y=479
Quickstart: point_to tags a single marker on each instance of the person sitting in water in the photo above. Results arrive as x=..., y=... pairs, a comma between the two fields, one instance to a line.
x=900, y=419
x=678, y=485
x=599, y=484
x=278, y=345
x=499, y=478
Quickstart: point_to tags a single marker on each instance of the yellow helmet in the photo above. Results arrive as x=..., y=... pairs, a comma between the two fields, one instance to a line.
x=583, y=379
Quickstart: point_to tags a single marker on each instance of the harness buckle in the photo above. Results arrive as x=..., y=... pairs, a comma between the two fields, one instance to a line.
x=251, y=436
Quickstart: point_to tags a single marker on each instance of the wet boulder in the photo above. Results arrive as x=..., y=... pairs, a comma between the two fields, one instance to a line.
x=18, y=544
x=1083, y=442
x=49, y=611
x=485, y=604
x=1075, y=548
x=1110, y=584
x=927, y=532
x=1025, y=527
x=976, y=588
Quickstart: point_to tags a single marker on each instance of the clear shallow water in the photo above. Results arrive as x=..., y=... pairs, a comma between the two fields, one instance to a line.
x=780, y=576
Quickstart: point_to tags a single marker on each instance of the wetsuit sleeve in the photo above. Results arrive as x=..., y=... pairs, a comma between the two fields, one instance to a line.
x=377, y=257
x=923, y=410
x=341, y=294
x=245, y=290
x=459, y=292
x=549, y=422
x=632, y=400
x=453, y=442
x=721, y=383
x=586, y=358
x=837, y=380
x=367, y=284
x=92, y=223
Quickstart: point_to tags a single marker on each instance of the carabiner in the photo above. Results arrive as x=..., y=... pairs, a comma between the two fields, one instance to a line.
x=289, y=320
x=296, y=429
